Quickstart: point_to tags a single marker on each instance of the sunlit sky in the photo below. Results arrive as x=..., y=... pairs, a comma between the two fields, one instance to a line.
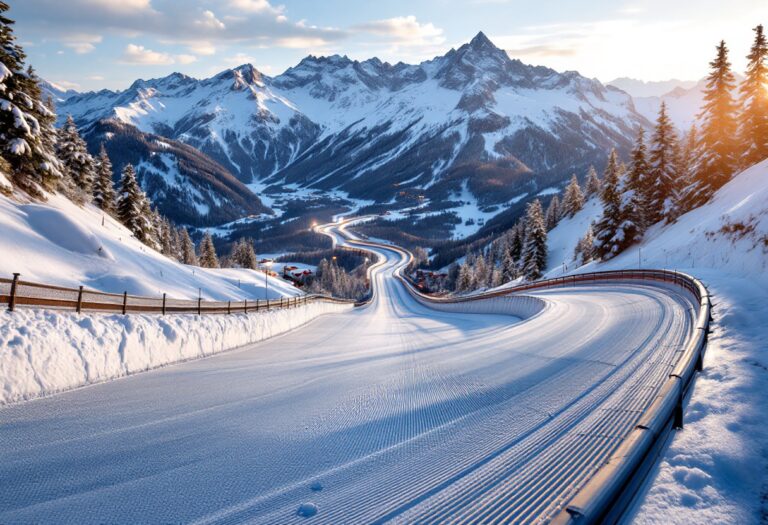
x=94, y=44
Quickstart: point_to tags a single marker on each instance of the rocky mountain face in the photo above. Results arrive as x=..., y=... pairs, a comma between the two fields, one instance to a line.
x=470, y=130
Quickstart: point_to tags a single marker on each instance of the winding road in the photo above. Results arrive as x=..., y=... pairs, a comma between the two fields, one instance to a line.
x=393, y=412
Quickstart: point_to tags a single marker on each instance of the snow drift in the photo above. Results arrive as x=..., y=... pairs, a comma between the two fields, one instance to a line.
x=43, y=352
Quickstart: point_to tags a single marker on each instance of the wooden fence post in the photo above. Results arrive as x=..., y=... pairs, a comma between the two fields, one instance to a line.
x=80, y=299
x=229, y=307
x=245, y=306
x=125, y=302
x=164, y=304
x=12, y=300
x=199, y=306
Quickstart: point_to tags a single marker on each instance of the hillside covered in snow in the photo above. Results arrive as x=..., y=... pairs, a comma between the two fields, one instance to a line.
x=60, y=243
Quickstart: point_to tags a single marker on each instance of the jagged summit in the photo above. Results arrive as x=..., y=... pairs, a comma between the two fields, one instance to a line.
x=472, y=122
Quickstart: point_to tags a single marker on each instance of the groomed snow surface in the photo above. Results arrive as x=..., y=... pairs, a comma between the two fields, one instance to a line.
x=392, y=412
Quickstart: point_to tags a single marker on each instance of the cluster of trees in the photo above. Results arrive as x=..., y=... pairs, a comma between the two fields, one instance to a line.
x=522, y=250
x=27, y=135
x=330, y=278
x=673, y=174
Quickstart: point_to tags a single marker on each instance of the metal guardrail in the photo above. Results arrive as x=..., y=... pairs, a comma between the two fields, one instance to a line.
x=604, y=498
x=17, y=293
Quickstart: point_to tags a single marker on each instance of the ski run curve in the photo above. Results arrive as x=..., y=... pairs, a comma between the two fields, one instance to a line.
x=393, y=412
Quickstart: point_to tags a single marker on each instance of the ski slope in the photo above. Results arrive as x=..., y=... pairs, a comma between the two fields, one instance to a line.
x=392, y=412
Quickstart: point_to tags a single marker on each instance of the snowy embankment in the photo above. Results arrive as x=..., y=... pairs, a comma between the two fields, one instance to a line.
x=716, y=466
x=42, y=352
x=60, y=243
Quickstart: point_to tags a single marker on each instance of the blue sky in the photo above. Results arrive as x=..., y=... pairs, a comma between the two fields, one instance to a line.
x=93, y=44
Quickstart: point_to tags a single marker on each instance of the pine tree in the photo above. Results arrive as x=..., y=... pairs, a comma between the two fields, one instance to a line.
x=27, y=135
x=662, y=168
x=130, y=202
x=573, y=201
x=553, y=213
x=753, y=129
x=208, y=258
x=517, y=240
x=638, y=185
x=482, y=271
x=592, y=186
x=584, y=251
x=508, y=268
x=103, y=189
x=534, y=258
x=607, y=231
x=466, y=278
x=717, y=143
x=188, y=255
x=691, y=185
x=78, y=164
x=243, y=255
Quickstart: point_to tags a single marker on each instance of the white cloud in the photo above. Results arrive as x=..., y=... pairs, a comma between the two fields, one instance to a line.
x=250, y=6
x=185, y=59
x=209, y=21
x=95, y=77
x=404, y=30
x=136, y=54
x=81, y=43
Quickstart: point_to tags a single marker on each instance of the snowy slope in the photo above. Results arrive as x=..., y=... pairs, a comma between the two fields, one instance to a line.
x=717, y=466
x=60, y=243
x=562, y=239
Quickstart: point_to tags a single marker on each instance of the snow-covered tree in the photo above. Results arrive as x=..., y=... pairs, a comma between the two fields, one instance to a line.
x=534, y=257
x=608, y=231
x=517, y=239
x=508, y=268
x=585, y=248
x=638, y=185
x=753, y=129
x=592, y=184
x=208, y=258
x=188, y=255
x=662, y=168
x=130, y=202
x=482, y=271
x=243, y=255
x=573, y=200
x=553, y=212
x=27, y=134
x=466, y=278
x=103, y=189
x=79, y=166
x=718, y=131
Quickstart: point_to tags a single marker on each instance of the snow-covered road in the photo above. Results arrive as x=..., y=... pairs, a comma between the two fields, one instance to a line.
x=393, y=412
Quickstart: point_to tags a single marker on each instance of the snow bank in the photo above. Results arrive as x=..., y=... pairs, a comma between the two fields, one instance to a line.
x=63, y=244
x=519, y=306
x=42, y=352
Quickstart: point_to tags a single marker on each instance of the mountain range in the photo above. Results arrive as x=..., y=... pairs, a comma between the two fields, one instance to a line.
x=470, y=133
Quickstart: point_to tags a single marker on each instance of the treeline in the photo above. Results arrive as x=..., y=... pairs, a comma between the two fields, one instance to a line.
x=673, y=174
x=522, y=250
x=331, y=278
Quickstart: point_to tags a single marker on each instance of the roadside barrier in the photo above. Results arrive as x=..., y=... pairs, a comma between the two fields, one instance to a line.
x=607, y=494
x=17, y=293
